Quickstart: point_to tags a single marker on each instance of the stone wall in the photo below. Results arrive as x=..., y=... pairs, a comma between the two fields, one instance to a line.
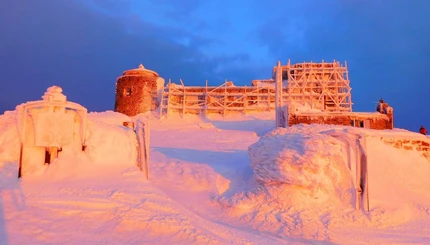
x=348, y=119
x=410, y=144
x=136, y=94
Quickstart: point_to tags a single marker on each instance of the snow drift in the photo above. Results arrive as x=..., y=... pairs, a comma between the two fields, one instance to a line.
x=218, y=180
x=311, y=163
x=304, y=182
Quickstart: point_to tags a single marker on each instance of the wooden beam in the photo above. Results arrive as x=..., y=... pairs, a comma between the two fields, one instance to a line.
x=225, y=97
x=206, y=100
x=168, y=98
x=183, y=98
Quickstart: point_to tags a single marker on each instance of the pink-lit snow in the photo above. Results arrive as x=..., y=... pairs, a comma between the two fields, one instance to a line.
x=220, y=180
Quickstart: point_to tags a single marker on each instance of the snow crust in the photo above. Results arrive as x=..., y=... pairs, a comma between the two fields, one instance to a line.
x=216, y=180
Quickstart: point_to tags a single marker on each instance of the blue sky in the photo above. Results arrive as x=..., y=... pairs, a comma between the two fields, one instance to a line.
x=84, y=45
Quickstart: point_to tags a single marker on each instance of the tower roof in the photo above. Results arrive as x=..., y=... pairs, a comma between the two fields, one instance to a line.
x=141, y=70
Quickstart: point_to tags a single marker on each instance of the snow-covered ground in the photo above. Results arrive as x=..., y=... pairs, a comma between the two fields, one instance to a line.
x=232, y=180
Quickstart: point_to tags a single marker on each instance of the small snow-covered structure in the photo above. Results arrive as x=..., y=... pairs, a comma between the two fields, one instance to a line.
x=48, y=126
x=295, y=113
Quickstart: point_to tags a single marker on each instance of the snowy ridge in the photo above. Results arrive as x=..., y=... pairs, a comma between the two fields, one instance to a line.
x=231, y=180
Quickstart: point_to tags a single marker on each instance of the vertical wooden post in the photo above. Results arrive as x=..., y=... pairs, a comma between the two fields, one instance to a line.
x=225, y=96
x=289, y=79
x=206, y=100
x=20, y=160
x=337, y=88
x=143, y=139
x=23, y=138
x=278, y=96
x=321, y=84
x=348, y=86
x=364, y=174
x=53, y=153
x=183, y=98
x=258, y=98
x=324, y=103
x=168, y=98
x=245, y=102
x=359, y=191
x=162, y=101
x=147, y=142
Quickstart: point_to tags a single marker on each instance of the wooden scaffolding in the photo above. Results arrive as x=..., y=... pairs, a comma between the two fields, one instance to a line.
x=210, y=99
x=323, y=86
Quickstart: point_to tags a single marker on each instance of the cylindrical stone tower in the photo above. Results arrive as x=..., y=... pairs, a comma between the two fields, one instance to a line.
x=136, y=91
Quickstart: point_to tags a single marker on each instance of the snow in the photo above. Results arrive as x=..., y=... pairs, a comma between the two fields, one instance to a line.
x=216, y=180
x=141, y=68
x=314, y=162
x=268, y=84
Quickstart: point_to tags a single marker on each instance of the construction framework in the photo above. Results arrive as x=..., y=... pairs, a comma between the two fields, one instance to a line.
x=323, y=86
x=210, y=99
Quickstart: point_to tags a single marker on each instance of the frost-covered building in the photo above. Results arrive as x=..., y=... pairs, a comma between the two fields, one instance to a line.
x=314, y=93
x=321, y=93
x=137, y=91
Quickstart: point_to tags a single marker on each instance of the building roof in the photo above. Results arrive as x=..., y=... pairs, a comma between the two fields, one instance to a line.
x=141, y=70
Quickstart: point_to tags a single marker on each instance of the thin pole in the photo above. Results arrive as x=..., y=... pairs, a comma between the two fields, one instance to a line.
x=147, y=142
x=225, y=96
x=206, y=99
x=21, y=153
x=168, y=98
x=183, y=98
x=20, y=160
x=278, y=95
x=245, y=101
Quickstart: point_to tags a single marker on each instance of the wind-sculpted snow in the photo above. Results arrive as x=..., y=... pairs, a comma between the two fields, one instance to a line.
x=302, y=182
x=315, y=163
x=119, y=146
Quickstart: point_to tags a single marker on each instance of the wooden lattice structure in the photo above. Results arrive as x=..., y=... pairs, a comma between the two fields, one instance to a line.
x=323, y=86
x=210, y=99
x=320, y=86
